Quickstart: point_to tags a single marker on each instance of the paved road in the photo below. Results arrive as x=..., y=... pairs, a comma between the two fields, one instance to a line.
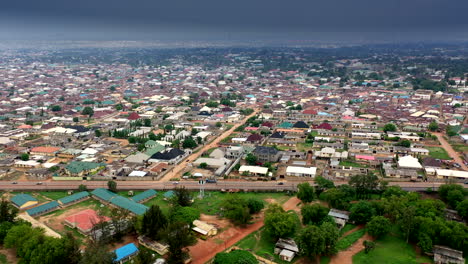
x=192, y=185
x=178, y=170
x=452, y=153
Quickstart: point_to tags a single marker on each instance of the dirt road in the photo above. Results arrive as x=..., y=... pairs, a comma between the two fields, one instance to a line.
x=205, y=250
x=177, y=171
x=346, y=256
x=452, y=153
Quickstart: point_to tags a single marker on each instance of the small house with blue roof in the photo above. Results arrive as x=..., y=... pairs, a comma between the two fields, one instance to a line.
x=125, y=253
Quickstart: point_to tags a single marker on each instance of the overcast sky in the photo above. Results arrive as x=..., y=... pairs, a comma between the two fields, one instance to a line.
x=235, y=19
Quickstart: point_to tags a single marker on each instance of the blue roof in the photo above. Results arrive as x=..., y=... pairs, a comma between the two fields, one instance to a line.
x=21, y=199
x=125, y=251
x=42, y=208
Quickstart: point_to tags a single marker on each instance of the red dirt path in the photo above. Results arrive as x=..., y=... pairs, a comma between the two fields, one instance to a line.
x=203, y=251
x=346, y=256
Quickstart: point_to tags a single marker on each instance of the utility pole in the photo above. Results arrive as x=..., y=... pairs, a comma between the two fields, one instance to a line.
x=202, y=188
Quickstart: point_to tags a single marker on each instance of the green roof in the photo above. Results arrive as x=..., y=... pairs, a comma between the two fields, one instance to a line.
x=285, y=125
x=129, y=205
x=107, y=102
x=74, y=197
x=79, y=166
x=43, y=208
x=144, y=195
x=103, y=194
x=21, y=199
x=120, y=201
x=168, y=194
x=151, y=151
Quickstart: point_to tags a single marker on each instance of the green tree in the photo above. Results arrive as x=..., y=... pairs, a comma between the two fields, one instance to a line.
x=203, y=165
x=184, y=214
x=313, y=213
x=462, y=208
x=251, y=159
x=88, y=111
x=24, y=156
x=189, y=142
x=364, y=184
x=433, y=126
x=82, y=188
x=147, y=122
x=235, y=257
x=178, y=237
x=361, y=212
x=153, y=223
x=314, y=241
x=219, y=124
x=323, y=184
x=452, y=193
x=112, y=186
x=97, y=133
x=236, y=209
x=278, y=223
x=97, y=253
x=255, y=205
x=404, y=143
x=389, y=128
x=7, y=211
x=378, y=226
x=305, y=192
x=212, y=104
x=76, y=119
x=182, y=196
x=56, y=108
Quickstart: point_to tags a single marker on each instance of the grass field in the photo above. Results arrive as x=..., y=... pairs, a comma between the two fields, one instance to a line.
x=390, y=250
x=459, y=147
x=351, y=164
x=350, y=239
x=304, y=146
x=438, y=153
x=347, y=228
x=54, y=195
x=3, y=259
x=211, y=203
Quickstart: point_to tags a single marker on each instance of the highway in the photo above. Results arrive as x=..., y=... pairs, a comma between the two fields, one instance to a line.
x=192, y=185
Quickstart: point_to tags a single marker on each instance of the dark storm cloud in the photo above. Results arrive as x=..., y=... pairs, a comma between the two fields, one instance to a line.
x=280, y=17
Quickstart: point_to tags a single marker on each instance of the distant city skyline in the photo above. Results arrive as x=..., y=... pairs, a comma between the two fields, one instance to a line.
x=242, y=20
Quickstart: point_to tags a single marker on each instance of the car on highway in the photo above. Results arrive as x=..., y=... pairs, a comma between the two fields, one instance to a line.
x=176, y=182
x=280, y=183
x=456, y=165
x=14, y=183
x=39, y=183
x=210, y=181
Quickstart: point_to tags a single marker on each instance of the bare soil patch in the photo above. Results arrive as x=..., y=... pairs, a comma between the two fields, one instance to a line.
x=10, y=254
x=56, y=222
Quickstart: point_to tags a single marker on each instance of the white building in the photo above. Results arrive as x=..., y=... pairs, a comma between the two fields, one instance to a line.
x=301, y=171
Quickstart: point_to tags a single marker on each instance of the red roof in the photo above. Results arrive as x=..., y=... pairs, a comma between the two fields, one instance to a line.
x=45, y=149
x=365, y=157
x=86, y=219
x=24, y=126
x=268, y=124
x=134, y=116
x=254, y=137
x=325, y=126
x=309, y=112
